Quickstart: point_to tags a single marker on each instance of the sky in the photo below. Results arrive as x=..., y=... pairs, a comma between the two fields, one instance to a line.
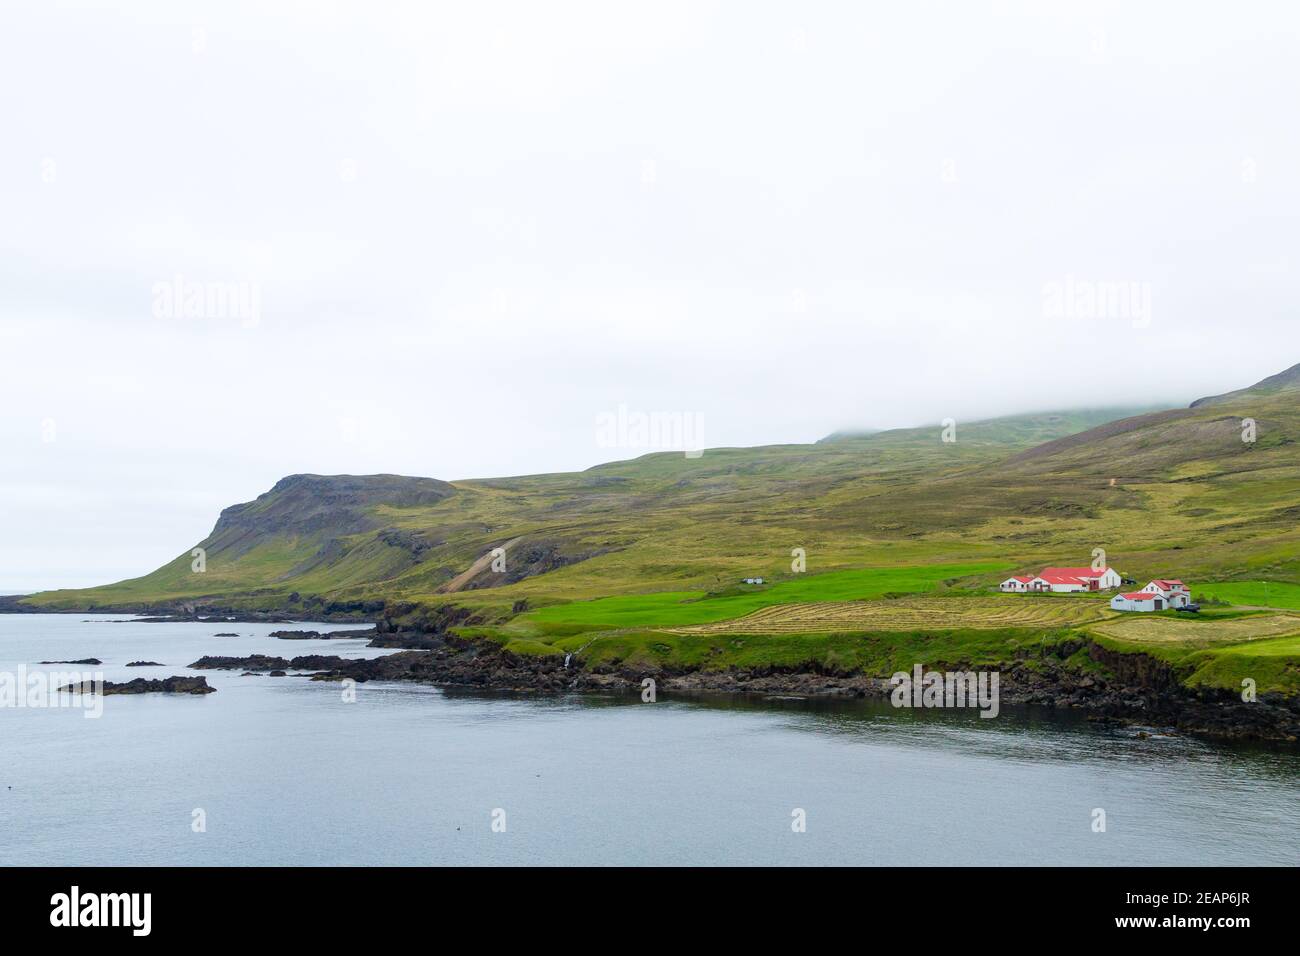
x=245, y=240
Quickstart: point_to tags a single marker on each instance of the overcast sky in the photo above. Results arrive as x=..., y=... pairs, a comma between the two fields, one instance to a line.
x=463, y=232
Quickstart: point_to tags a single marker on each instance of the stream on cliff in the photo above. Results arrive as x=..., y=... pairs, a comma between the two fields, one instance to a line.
x=283, y=770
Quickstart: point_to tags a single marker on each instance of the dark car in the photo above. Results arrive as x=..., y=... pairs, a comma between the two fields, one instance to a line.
x=1190, y=608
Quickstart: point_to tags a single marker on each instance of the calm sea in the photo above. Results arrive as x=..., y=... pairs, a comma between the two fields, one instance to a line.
x=284, y=771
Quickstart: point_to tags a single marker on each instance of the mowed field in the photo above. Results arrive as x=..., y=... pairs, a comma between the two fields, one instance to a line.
x=1150, y=629
x=676, y=609
x=912, y=614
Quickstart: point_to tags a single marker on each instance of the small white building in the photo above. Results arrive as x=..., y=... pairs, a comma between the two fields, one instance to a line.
x=1175, y=592
x=1017, y=585
x=1138, y=601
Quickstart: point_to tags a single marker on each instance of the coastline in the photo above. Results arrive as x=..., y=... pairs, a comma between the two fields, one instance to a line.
x=1140, y=689
x=1144, y=692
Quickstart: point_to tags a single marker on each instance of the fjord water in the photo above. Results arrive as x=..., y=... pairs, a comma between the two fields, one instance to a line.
x=286, y=772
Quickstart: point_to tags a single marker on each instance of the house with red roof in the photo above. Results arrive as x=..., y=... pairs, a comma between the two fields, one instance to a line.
x=1079, y=579
x=1063, y=580
x=1138, y=601
x=1017, y=584
x=1174, y=592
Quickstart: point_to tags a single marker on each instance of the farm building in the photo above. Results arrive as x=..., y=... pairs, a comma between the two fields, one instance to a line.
x=1017, y=584
x=1080, y=579
x=1063, y=580
x=1138, y=601
x=1174, y=592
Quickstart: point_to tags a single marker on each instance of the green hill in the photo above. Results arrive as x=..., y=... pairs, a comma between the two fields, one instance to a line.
x=1165, y=493
x=621, y=527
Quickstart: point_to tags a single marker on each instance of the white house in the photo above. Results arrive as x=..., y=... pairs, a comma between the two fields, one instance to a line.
x=1018, y=584
x=1174, y=592
x=1064, y=580
x=1138, y=601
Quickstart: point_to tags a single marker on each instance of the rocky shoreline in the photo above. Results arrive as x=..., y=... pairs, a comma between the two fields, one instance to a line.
x=1142, y=691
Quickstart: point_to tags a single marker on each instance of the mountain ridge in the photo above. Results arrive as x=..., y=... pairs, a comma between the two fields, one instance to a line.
x=1287, y=379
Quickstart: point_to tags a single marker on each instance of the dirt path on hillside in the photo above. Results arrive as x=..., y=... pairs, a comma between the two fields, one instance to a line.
x=474, y=570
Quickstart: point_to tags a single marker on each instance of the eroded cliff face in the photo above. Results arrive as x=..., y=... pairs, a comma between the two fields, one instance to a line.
x=320, y=506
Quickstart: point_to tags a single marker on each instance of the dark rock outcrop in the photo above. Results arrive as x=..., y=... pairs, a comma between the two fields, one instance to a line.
x=331, y=506
x=324, y=635
x=12, y=604
x=168, y=685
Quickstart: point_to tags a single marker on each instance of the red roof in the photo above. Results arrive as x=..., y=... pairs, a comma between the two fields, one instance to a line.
x=1141, y=596
x=1024, y=578
x=1075, y=572
x=1169, y=583
x=1058, y=577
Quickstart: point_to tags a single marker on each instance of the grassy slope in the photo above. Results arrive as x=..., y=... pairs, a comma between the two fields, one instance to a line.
x=660, y=522
x=1173, y=494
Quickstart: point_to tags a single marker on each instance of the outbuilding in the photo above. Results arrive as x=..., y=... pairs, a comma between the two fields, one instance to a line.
x=1018, y=584
x=1138, y=601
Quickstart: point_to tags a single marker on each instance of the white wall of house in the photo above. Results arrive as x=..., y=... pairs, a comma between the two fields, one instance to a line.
x=1011, y=584
x=1110, y=579
x=1120, y=603
x=1067, y=587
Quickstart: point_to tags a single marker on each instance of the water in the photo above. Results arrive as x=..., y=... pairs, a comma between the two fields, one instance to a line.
x=287, y=773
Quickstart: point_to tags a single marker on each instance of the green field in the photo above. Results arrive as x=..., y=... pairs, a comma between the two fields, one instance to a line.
x=1254, y=593
x=946, y=612
x=681, y=608
x=878, y=653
